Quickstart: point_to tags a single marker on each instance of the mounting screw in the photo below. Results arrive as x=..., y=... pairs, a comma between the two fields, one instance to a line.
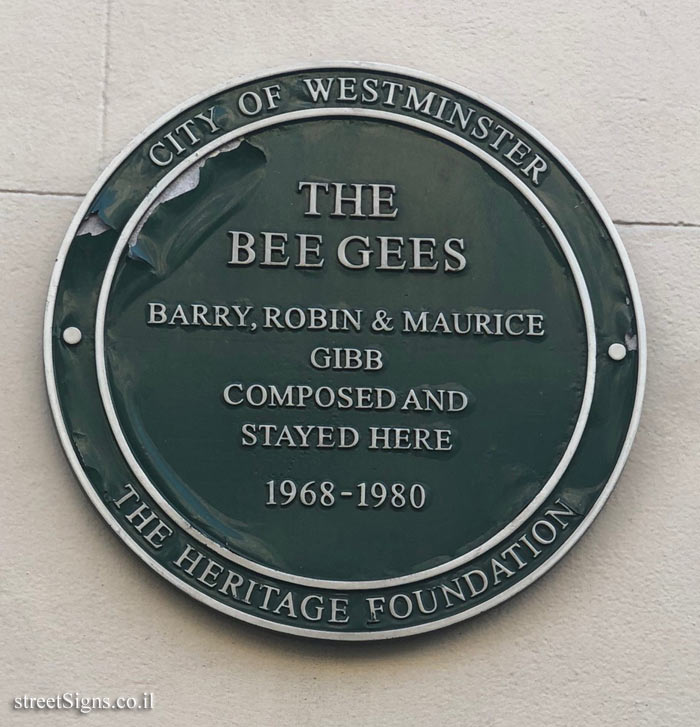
x=617, y=351
x=72, y=335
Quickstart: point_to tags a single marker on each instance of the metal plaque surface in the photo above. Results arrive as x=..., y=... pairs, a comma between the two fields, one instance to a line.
x=345, y=351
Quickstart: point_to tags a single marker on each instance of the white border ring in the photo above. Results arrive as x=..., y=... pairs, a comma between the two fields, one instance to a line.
x=151, y=199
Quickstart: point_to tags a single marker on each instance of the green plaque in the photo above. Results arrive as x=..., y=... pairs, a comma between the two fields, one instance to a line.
x=345, y=351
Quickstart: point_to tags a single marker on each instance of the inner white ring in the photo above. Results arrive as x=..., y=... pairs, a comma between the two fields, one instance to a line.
x=202, y=537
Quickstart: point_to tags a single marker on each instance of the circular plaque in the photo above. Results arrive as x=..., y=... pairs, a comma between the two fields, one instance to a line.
x=345, y=351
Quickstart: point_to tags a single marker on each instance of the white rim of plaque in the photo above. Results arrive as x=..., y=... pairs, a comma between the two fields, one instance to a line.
x=507, y=593
x=152, y=200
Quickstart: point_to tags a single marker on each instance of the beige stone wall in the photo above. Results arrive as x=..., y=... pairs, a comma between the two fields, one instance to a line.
x=610, y=636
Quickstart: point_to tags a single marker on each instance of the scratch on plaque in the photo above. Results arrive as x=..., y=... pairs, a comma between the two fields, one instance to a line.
x=93, y=225
x=245, y=164
x=631, y=342
x=186, y=182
